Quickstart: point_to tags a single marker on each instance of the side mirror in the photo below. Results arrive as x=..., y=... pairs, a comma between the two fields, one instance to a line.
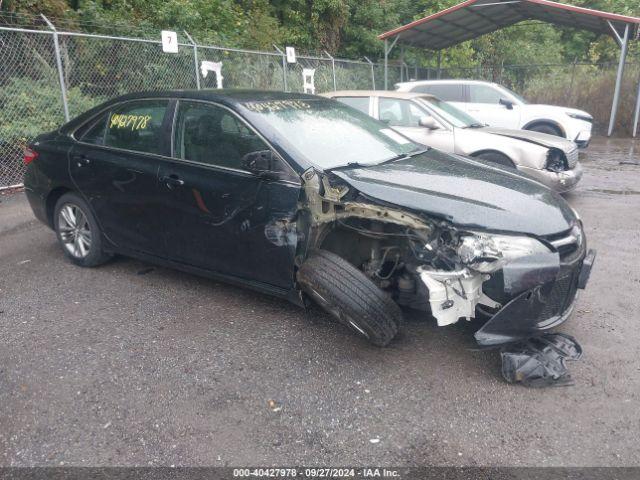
x=506, y=103
x=261, y=163
x=428, y=122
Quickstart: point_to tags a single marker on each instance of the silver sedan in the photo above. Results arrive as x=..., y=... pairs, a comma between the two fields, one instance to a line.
x=426, y=119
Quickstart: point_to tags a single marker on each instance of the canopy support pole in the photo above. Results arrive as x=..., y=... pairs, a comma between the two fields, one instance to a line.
x=636, y=117
x=624, y=44
x=387, y=50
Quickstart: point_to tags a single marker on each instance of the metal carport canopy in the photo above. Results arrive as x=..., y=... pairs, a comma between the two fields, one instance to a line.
x=474, y=18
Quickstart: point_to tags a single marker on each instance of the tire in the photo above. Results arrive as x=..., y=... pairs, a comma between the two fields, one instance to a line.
x=348, y=295
x=78, y=232
x=497, y=158
x=546, y=128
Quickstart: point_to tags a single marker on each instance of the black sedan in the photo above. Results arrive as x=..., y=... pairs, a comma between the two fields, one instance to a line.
x=305, y=198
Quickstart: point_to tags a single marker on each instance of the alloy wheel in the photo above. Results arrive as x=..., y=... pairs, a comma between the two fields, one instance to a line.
x=74, y=230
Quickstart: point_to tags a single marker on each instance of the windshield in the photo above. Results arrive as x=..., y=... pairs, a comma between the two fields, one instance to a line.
x=511, y=92
x=329, y=134
x=451, y=114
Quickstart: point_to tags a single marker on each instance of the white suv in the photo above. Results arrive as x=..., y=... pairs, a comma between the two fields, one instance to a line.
x=498, y=106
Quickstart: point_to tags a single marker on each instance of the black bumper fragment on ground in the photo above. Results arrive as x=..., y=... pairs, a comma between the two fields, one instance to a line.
x=540, y=361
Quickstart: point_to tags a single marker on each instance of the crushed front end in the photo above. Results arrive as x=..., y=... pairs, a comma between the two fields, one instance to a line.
x=523, y=284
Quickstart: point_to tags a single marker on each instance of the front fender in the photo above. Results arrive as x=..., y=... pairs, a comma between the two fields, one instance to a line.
x=521, y=153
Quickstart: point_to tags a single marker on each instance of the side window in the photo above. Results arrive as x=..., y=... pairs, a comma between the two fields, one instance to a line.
x=137, y=126
x=446, y=92
x=94, y=132
x=359, y=103
x=400, y=113
x=483, y=94
x=211, y=134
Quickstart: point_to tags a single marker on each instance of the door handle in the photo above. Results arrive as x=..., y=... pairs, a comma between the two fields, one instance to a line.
x=172, y=181
x=81, y=160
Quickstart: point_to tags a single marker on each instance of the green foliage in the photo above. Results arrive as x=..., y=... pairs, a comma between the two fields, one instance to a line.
x=30, y=107
x=586, y=87
x=346, y=28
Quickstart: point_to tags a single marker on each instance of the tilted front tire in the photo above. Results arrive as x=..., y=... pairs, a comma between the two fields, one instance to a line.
x=348, y=295
x=497, y=158
x=546, y=128
x=78, y=232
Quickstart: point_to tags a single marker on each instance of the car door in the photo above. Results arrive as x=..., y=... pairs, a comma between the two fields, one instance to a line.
x=484, y=104
x=404, y=116
x=114, y=164
x=217, y=215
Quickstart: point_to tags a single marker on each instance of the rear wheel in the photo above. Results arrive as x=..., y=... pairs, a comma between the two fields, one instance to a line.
x=78, y=231
x=497, y=158
x=349, y=296
x=546, y=128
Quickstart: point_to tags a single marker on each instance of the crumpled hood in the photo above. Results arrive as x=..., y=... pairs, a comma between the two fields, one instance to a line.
x=465, y=192
x=543, y=139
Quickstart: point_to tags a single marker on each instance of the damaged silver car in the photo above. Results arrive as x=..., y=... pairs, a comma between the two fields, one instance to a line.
x=427, y=120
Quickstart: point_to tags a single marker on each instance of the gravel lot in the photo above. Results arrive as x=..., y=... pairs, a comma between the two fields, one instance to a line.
x=130, y=364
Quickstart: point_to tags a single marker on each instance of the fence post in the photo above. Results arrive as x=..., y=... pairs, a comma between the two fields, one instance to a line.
x=284, y=67
x=195, y=58
x=333, y=67
x=63, y=86
x=373, y=73
x=568, y=94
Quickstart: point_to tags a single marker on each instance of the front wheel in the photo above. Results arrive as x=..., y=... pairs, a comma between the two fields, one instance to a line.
x=78, y=231
x=496, y=158
x=349, y=296
x=546, y=128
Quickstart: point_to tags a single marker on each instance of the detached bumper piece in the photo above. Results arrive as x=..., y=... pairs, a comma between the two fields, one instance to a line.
x=540, y=362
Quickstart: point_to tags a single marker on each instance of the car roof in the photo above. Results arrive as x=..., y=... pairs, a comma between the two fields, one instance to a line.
x=230, y=97
x=447, y=81
x=376, y=93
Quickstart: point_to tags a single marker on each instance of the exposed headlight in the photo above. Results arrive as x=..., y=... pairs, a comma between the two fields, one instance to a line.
x=487, y=253
x=557, y=161
x=581, y=116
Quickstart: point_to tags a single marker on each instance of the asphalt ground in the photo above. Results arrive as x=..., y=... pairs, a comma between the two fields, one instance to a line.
x=131, y=364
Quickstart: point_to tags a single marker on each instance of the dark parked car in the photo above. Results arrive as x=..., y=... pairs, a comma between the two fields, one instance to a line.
x=303, y=197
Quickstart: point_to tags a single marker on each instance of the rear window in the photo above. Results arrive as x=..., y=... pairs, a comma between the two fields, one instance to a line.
x=484, y=94
x=93, y=132
x=137, y=126
x=359, y=103
x=446, y=92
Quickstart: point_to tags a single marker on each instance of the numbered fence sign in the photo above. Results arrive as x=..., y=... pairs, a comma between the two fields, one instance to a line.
x=169, y=41
x=291, y=54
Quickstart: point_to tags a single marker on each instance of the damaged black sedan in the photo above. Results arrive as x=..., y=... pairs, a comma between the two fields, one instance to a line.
x=305, y=198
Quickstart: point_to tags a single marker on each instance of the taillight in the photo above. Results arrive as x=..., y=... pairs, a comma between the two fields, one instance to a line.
x=29, y=155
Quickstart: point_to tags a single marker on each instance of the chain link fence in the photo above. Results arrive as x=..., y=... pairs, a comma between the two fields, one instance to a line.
x=30, y=101
x=46, y=73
